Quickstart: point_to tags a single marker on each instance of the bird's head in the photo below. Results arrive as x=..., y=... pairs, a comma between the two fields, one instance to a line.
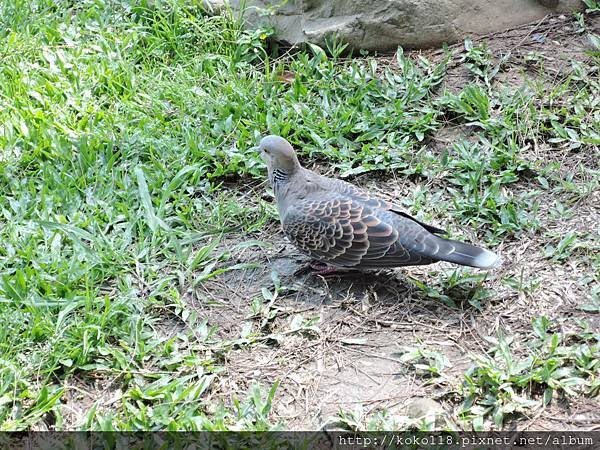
x=279, y=155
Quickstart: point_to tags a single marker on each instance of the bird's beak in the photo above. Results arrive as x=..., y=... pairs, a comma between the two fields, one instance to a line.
x=257, y=148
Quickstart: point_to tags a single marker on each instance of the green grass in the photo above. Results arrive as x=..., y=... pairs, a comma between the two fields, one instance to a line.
x=501, y=384
x=122, y=128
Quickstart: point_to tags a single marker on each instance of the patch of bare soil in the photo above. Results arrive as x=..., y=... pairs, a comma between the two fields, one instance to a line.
x=365, y=318
x=81, y=392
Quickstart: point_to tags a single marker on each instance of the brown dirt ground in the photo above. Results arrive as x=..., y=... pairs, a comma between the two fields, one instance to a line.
x=365, y=318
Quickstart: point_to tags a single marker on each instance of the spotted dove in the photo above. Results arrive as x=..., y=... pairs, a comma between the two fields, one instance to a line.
x=337, y=223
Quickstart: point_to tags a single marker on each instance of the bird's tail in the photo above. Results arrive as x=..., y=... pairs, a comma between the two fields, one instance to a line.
x=466, y=254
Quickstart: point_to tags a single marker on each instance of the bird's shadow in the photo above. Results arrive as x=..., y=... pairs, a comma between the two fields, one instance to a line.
x=386, y=288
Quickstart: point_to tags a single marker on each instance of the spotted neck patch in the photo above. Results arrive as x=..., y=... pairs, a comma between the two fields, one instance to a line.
x=280, y=177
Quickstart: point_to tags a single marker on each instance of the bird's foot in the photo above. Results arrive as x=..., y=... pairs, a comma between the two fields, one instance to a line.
x=320, y=268
x=323, y=269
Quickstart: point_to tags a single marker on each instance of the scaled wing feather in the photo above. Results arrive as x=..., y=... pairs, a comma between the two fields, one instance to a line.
x=346, y=232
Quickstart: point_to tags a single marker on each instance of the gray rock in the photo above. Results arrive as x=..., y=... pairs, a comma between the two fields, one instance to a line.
x=383, y=25
x=425, y=409
x=421, y=407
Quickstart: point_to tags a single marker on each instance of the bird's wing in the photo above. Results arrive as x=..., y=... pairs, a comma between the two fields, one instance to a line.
x=348, y=232
x=365, y=197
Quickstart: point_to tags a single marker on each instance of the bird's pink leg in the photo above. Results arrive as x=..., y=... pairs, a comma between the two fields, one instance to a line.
x=324, y=269
x=321, y=268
